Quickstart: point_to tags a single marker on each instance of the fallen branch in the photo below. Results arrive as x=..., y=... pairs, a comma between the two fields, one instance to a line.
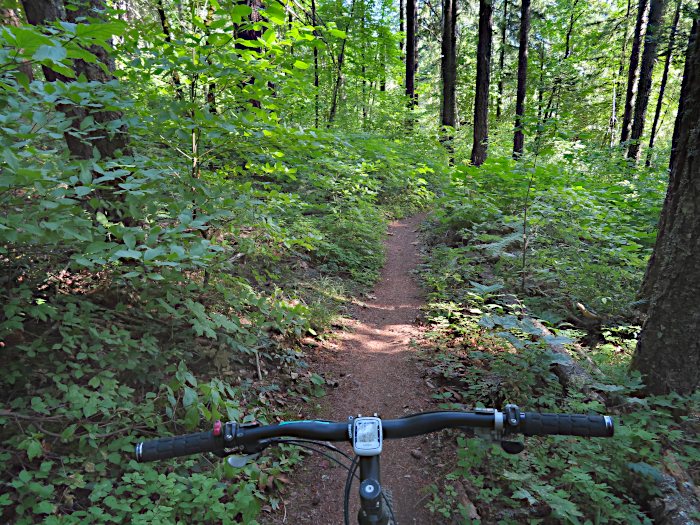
x=572, y=376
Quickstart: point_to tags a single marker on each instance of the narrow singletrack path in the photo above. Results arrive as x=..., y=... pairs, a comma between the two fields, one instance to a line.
x=376, y=376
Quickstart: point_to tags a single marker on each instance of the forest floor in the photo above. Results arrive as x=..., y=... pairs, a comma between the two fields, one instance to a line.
x=373, y=360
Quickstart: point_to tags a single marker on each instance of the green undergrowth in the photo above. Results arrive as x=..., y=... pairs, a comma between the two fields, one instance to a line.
x=586, y=222
x=151, y=293
x=490, y=360
x=484, y=351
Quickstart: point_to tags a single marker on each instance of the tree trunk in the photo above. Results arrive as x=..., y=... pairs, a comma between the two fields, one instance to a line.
x=668, y=352
x=684, y=90
x=483, y=80
x=664, y=79
x=519, y=137
x=615, y=94
x=316, y=104
x=364, y=71
x=501, y=60
x=633, y=74
x=341, y=58
x=653, y=267
x=401, y=29
x=211, y=88
x=249, y=33
x=80, y=145
x=572, y=20
x=449, y=63
x=165, y=26
x=651, y=43
x=411, y=55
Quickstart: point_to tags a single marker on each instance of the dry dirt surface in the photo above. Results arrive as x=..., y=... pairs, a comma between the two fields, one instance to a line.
x=376, y=375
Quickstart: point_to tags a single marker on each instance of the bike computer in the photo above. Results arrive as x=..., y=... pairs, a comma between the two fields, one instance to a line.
x=367, y=436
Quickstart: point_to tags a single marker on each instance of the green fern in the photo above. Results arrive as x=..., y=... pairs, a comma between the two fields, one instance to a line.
x=500, y=244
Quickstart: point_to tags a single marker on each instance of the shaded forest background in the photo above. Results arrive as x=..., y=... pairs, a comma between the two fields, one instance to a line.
x=192, y=193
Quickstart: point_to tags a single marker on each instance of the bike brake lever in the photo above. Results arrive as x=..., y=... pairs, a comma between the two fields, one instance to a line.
x=512, y=447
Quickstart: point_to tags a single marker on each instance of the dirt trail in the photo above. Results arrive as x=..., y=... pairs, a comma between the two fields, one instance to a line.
x=376, y=377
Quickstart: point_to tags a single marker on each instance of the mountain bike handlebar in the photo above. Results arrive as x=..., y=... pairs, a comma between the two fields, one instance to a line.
x=250, y=438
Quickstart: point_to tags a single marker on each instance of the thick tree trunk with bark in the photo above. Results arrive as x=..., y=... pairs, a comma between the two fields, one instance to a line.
x=684, y=90
x=654, y=266
x=411, y=55
x=519, y=136
x=449, y=63
x=483, y=81
x=41, y=12
x=502, y=60
x=633, y=74
x=668, y=352
x=651, y=43
x=664, y=79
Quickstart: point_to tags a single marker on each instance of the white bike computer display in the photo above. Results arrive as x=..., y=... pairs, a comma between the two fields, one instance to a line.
x=367, y=436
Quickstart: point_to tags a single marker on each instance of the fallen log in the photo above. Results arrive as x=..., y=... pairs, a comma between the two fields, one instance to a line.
x=572, y=376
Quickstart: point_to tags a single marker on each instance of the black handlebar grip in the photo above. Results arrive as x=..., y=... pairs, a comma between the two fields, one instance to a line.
x=174, y=447
x=535, y=424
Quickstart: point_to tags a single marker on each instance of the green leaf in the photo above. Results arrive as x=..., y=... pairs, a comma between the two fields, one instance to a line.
x=11, y=159
x=486, y=321
x=239, y=11
x=129, y=240
x=557, y=340
x=192, y=418
x=524, y=494
x=301, y=65
x=269, y=36
x=337, y=33
x=645, y=470
x=102, y=31
x=53, y=53
x=189, y=397
x=44, y=507
x=34, y=449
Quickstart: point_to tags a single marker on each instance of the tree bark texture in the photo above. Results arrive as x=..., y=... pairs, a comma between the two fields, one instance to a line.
x=401, y=28
x=449, y=63
x=411, y=55
x=664, y=79
x=684, y=89
x=651, y=43
x=668, y=352
x=501, y=60
x=615, y=94
x=80, y=145
x=633, y=73
x=483, y=81
x=654, y=266
x=519, y=136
